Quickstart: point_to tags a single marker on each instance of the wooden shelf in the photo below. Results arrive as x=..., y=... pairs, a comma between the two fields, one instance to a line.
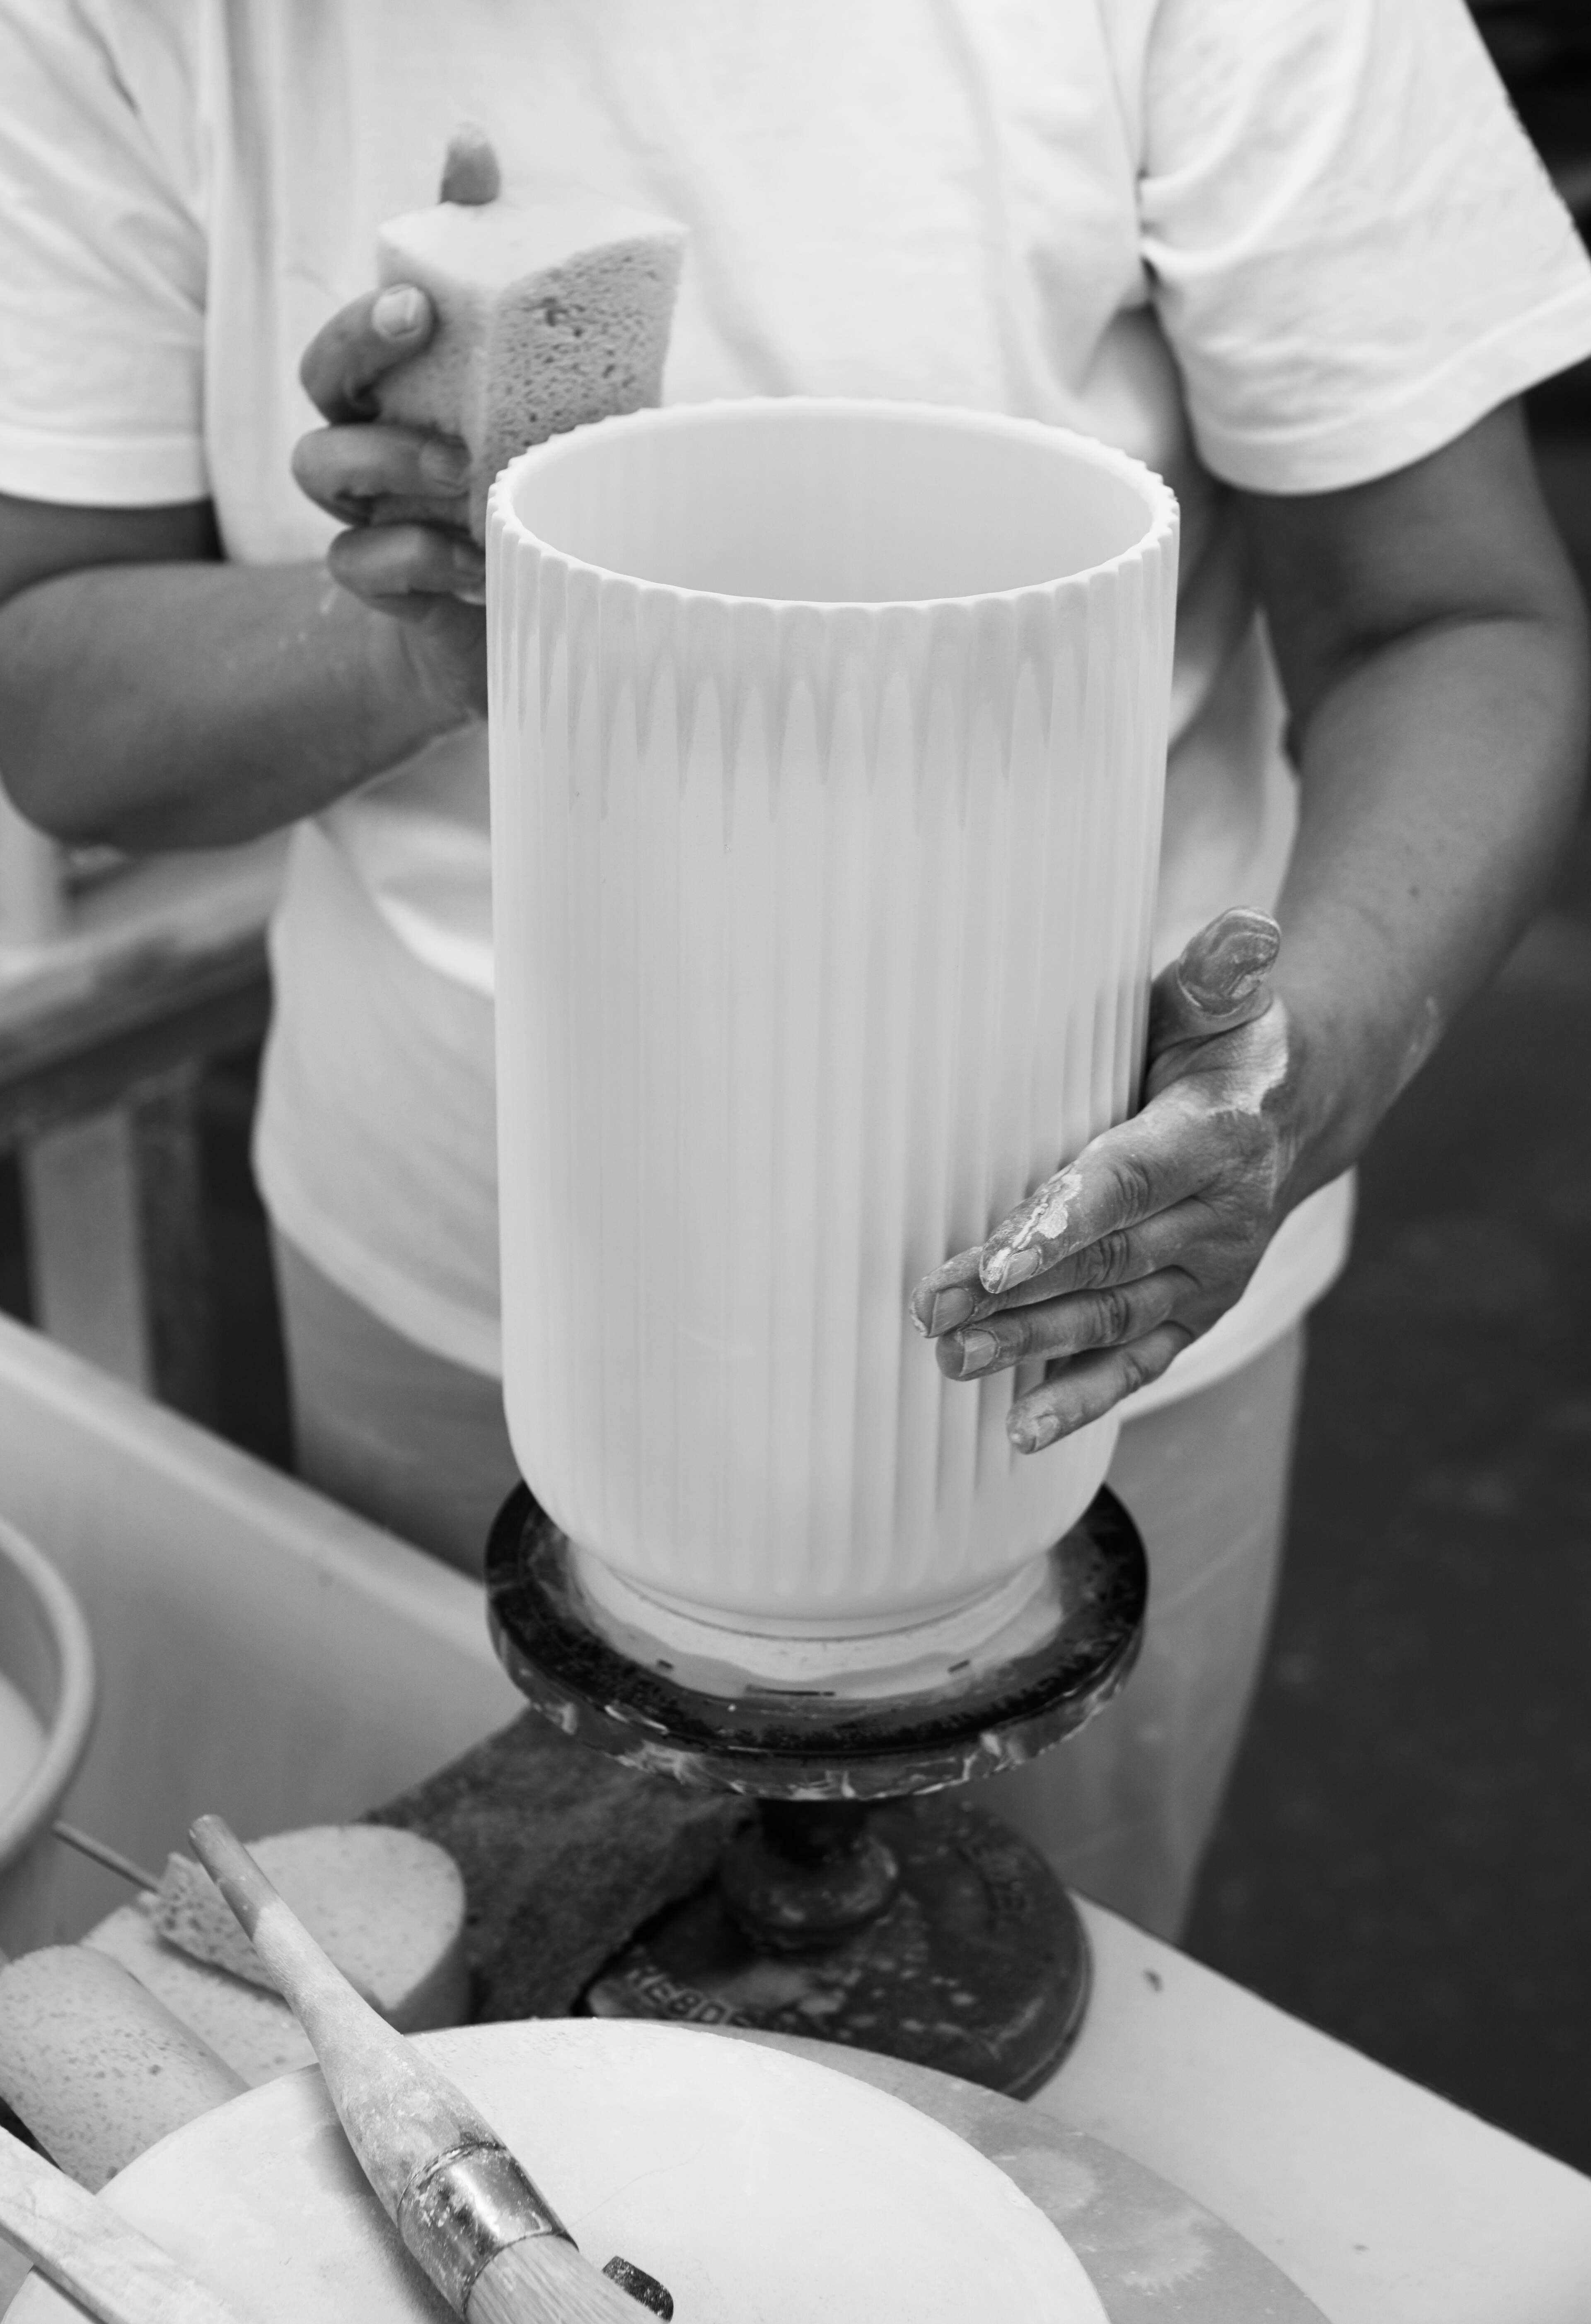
x=114, y=999
x=162, y=965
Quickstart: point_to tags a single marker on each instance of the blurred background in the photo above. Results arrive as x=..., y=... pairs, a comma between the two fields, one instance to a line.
x=1405, y=1859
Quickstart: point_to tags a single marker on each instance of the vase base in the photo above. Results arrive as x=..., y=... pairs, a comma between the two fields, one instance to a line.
x=733, y=1658
x=972, y=1716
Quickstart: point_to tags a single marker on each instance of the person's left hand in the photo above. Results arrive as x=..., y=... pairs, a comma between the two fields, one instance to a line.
x=1116, y=1262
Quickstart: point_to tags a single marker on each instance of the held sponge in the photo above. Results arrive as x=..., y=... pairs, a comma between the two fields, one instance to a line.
x=552, y=309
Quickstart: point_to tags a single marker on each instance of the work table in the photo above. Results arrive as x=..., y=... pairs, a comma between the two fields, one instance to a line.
x=1382, y=2201
x=312, y=1666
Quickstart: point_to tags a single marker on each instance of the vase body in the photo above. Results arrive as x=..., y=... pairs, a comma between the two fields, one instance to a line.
x=827, y=750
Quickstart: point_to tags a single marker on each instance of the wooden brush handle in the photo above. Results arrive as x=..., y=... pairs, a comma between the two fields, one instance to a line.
x=305, y=1976
x=398, y=2111
x=408, y=2123
x=82, y=2246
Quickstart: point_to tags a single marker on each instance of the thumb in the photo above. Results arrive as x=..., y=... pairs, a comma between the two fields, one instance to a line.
x=1218, y=981
x=470, y=174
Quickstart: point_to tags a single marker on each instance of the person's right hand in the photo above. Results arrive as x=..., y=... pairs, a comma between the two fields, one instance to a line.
x=402, y=492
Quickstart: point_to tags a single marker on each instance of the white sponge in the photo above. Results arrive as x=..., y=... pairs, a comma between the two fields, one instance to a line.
x=94, y=2065
x=553, y=309
x=255, y=2031
x=387, y=1905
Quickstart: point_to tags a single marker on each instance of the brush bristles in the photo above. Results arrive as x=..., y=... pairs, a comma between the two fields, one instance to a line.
x=545, y=2281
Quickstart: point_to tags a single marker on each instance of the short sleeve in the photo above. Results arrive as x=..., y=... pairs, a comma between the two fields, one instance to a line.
x=102, y=276
x=1354, y=250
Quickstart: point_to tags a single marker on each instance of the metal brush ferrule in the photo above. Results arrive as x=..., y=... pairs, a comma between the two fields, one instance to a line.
x=465, y=2207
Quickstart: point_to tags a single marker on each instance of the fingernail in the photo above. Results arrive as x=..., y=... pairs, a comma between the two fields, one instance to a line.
x=444, y=464
x=1217, y=985
x=398, y=312
x=1030, y=1432
x=977, y=1351
x=1003, y=1268
x=1226, y=963
x=950, y=1308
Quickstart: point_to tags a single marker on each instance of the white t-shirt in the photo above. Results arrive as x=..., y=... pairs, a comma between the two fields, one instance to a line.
x=1285, y=245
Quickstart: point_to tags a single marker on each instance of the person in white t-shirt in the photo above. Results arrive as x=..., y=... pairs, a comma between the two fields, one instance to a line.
x=1296, y=254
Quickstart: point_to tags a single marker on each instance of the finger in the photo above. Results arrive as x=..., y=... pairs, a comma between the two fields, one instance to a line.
x=1175, y=1148
x=1124, y=1255
x=1218, y=979
x=457, y=628
x=1033, y=1236
x=1062, y=1327
x=402, y=560
x=453, y=634
x=470, y=174
x=949, y=1295
x=1126, y=1175
x=1089, y=1387
x=344, y=469
x=360, y=345
x=450, y=645
x=954, y=1295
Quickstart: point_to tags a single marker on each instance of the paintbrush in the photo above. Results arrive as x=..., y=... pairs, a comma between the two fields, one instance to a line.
x=83, y=2246
x=475, y=2220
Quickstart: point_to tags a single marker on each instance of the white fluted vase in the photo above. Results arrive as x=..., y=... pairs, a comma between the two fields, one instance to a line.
x=827, y=749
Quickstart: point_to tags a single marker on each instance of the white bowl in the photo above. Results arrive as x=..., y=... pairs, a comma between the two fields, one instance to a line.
x=46, y=1654
x=761, y=2188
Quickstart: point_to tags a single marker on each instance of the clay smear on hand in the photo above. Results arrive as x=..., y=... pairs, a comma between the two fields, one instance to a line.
x=1223, y=966
x=1022, y=1247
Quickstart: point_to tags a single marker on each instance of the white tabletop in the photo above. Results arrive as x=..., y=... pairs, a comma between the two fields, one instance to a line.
x=1385, y=2204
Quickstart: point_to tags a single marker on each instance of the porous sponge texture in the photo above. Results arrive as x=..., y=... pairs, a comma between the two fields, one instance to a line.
x=253, y=2031
x=387, y=1905
x=588, y=339
x=522, y=352
x=97, y=2067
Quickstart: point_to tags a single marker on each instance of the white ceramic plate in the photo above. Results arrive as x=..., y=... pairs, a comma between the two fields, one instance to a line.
x=761, y=2188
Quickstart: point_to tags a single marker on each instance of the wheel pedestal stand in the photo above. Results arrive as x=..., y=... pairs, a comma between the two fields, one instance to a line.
x=867, y=1902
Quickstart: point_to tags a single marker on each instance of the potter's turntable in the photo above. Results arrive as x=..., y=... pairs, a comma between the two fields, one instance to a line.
x=827, y=742
x=843, y=1910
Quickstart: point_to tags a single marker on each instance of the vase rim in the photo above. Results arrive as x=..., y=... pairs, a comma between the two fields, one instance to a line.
x=1159, y=536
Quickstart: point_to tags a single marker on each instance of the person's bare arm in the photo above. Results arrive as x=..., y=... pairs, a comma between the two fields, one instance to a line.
x=154, y=697
x=1432, y=645
x=1431, y=641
